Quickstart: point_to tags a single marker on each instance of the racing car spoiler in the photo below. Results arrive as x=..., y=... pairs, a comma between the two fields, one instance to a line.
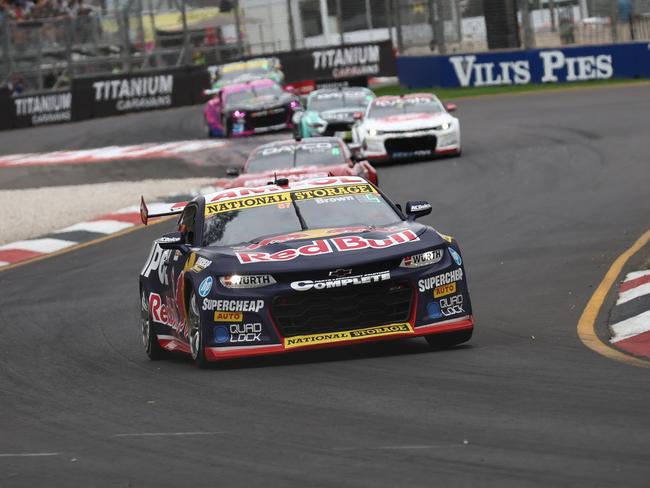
x=210, y=92
x=160, y=210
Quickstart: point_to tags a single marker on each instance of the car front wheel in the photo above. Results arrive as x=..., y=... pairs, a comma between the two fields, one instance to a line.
x=196, y=334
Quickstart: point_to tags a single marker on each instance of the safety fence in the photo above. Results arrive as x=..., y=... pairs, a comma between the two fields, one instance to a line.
x=45, y=49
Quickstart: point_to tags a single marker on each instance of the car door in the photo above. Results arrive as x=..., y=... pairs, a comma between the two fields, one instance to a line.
x=178, y=263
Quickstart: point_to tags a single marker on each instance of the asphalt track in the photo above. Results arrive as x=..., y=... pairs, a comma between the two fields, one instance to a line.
x=550, y=189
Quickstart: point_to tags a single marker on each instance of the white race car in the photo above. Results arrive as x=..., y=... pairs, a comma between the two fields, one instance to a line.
x=408, y=126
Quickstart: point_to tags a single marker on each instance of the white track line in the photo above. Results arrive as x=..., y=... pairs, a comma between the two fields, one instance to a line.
x=45, y=245
x=637, y=292
x=630, y=327
x=98, y=226
x=397, y=448
x=29, y=454
x=164, y=434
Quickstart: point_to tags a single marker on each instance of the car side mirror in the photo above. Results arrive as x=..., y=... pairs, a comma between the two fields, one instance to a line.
x=356, y=154
x=174, y=241
x=417, y=209
x=358, y=116
x=451, y=107
x=232, y=171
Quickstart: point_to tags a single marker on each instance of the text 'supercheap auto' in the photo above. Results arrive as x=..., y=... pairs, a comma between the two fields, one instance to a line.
x=320, y=263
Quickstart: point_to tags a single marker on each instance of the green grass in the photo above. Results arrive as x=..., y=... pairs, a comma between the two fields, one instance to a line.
x=448, y=93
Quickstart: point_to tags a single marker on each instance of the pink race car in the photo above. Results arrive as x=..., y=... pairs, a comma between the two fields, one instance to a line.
x=250, y=108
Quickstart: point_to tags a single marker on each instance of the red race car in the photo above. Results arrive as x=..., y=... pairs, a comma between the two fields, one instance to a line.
x=300, y=159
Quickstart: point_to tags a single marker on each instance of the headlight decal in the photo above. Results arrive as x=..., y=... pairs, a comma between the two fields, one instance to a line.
x=424, y=259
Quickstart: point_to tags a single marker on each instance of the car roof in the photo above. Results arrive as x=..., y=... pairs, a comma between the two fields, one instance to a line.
x=307, y=184
x=288, y=142
x=248, y=64
x=323, y=91
x=236, y=87
x=391, y=98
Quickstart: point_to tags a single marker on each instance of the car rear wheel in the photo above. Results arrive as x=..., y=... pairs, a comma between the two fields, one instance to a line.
x=149, y=339
x=196, y=334
x=450, y=339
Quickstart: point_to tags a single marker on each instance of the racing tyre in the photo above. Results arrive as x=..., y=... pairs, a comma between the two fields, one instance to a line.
x=227, y=128
x=149, y=339
x=450, y=339
x=196, y=334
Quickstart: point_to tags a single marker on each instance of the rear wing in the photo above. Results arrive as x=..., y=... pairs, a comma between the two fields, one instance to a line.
x=159, y=210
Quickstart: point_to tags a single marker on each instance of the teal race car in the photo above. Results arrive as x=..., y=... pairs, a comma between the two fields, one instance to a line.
x=332, y=112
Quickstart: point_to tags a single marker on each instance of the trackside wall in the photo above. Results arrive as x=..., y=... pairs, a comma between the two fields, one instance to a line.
x=557, y=65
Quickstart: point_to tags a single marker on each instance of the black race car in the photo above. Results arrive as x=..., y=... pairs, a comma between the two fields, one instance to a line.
x=278, y=268
x=250, y=108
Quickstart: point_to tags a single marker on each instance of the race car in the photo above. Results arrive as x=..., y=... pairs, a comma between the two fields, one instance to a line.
x=250, y=108
x=299, y=159
x=332, y=112
x=408, y=126
x=243, y=71
x=321, y=263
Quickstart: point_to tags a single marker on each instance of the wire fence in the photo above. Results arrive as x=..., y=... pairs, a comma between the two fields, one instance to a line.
x=45, y=44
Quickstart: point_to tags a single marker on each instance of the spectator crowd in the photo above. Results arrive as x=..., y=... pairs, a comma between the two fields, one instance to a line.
x=24, y=10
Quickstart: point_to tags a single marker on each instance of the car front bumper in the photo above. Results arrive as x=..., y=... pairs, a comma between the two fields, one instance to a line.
x=416, y=144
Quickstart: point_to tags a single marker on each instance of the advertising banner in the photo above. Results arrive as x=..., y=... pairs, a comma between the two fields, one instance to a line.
x=555, y=65
x=133, y=92
x=42, y=108
x=334, y=62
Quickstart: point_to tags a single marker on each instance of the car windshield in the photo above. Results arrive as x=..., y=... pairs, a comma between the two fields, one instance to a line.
x=252, y=92
x=233, y=75
x=350, y=99
x=285, y=213
x=295, y=155
x=388, y=108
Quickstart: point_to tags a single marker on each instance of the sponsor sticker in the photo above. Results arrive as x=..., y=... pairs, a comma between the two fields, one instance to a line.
x=444, y=290
x=158, y=260
x=420, y=207
x=205, y=287
x=238, y=333
x=200, y=265
x=247, y=202
x=221, y=316
x=451, y=305
x=164, y=312
x=433, y=310
x=456, y=257
x=221, y=334
x=333, y=191
x=326, y=246
x=247, y=281
x=306, y=285
x=347, y=335
x=425, y=259
x=233, y=305
x=320, y=201
x=439, y=280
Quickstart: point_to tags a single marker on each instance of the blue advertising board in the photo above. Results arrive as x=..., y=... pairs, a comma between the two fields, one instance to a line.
x=555, y=65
